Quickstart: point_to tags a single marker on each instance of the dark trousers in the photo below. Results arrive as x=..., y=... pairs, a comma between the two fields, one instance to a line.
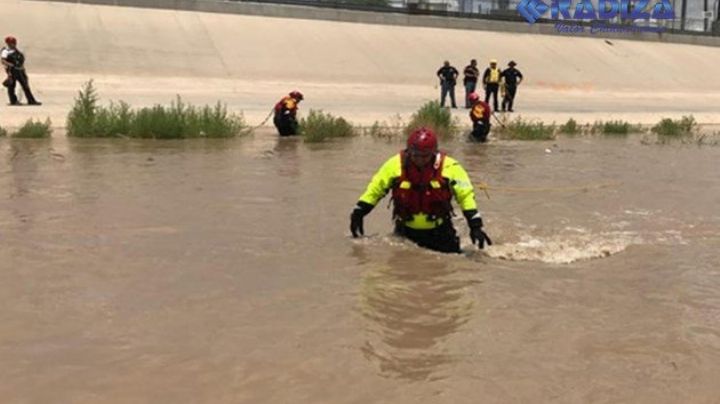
x=442, y=238
x=285, y=124
x=492, y=89
x=19, y=76
x=469, y=89
x=507, y=101
x=445, y=89
x=480, y=131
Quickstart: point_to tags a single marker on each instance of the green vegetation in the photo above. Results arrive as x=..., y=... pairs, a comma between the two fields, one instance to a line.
x=3, y=132
x=386, y=130
x=81, y=118
x=178, y=121
x=381, y=131
x=34, y=129
x=438, y=119
x=570, y=127
x=618, y=128
x=520, y=129
x=319, y=126
x=673, y=128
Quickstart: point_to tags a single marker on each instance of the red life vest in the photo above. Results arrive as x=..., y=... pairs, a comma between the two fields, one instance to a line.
x=423, y=190
x=287, y=103
x=480, y=112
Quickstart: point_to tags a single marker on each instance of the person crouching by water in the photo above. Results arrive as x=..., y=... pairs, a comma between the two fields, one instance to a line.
x=480, y=116
x=423, y=182
x=14, y=62
x=285, y=118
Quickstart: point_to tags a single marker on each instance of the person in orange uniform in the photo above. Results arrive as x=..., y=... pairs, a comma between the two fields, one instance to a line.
x=480, y=116
x=423, y=182
x=285, y=118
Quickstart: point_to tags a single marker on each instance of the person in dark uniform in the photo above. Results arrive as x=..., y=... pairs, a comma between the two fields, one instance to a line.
x=512, y=78
x=491, y=82
x=471, y=74
x=448, y=76
x=14, y=62
x=423, y=181
x=480, y=116
x=285, y=118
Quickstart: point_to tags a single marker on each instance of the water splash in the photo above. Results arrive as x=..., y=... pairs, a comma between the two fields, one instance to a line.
x=565, y=248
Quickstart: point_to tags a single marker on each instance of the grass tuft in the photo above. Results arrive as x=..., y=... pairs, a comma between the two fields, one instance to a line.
x=571, y=127
x=178, y=121
x=521, y=129
x=615, y=128
x=436, y=118
x=34, y=130
x=386, y=130
x=319, y=126
x=673, y=128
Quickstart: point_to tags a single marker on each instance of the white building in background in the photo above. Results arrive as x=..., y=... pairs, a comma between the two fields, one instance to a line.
x=697, y=18
x=441, y=5
x=463, y=6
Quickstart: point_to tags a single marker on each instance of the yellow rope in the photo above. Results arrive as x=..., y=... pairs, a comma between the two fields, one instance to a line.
x=485, y=187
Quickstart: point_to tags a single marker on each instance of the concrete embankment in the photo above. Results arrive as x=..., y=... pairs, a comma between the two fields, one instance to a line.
x=362, y=71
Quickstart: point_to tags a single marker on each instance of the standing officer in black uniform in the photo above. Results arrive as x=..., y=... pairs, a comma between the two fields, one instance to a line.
x=13, y=60
x=471, y=73
x=512, y=78
x=447, y=75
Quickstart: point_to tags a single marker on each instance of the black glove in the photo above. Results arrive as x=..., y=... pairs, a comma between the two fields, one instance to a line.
x=477, y=235
x=356, y=218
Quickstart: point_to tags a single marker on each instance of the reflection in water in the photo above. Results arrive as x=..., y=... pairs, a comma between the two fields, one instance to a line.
x=165, y=266
x=23, y=156
x=286, y=150
x=412, y=308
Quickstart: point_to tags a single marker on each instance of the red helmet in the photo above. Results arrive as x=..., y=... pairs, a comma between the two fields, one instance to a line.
x=10, y=40
x=297, y=95
x=422, y=140
x=473, y=97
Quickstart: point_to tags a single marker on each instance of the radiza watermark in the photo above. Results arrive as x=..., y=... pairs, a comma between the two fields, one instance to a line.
x=585, y=10
x=600, y=27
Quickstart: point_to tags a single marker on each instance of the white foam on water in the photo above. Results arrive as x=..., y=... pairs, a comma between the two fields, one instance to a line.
x=571, y=245
x=639, y=212
x=565, y=248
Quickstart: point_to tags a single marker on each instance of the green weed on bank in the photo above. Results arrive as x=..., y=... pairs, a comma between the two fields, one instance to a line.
x=439, y=119
x=387, y=130
x=616, y=128
x=521, y=129
x=676, y=128
x=571, y=127
x=34, y=129
x=178, y=121
x=319, y=126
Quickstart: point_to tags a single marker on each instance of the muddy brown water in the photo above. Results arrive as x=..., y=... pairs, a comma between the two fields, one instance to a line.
x=223, y=272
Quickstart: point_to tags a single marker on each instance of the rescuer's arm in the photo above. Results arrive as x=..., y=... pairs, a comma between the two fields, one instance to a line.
x=465, y=196
x=378, y=187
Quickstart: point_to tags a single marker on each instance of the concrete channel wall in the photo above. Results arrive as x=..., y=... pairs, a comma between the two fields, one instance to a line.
x=388, y=18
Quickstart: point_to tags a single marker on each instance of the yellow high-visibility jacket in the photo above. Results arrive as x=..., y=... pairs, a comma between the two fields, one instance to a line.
x=492, y=76
x=384, y=179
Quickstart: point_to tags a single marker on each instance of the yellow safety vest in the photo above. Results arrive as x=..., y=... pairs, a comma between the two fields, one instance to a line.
x=494, y=76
